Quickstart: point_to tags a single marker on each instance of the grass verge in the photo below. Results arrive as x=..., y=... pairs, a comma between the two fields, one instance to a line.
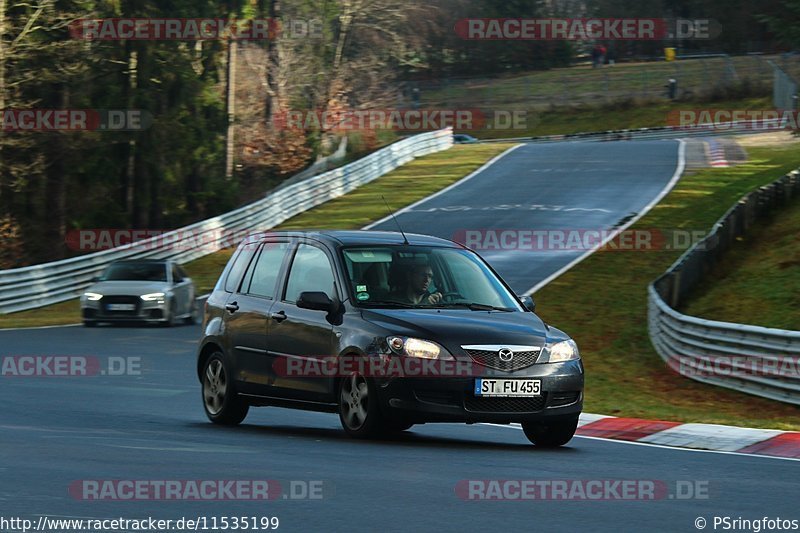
x=620, y=117
x=603, y=303
x=759, y=280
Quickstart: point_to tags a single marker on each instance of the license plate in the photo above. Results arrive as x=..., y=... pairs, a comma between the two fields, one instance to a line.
x=508, y=387
x=121, y=307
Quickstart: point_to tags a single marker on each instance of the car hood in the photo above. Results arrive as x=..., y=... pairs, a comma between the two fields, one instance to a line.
x=454, y=328
x=131, y=288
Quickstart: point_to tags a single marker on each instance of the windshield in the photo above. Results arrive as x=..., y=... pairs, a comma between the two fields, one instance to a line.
x=424, y=277
x=135, y=272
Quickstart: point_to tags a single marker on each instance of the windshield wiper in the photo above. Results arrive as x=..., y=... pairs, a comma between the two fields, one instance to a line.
x=475, y=306
x=391, y=304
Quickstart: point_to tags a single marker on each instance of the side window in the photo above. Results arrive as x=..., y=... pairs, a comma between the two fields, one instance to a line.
x=239, y=265
x=311, y=271
x=176, y=275
x=182, y=272
x=266, y=269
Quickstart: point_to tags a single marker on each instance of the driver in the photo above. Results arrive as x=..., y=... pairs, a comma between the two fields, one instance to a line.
x=415, y=290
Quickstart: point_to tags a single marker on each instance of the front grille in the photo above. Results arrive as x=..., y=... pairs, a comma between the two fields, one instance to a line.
x=504, y=405
x=135, y=300
x=491, y=358
x=560, y=399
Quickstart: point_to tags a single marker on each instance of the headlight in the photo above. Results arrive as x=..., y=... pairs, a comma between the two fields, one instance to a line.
x=417, y=348
x=152, y=297
x=92, y=296
x=564, y=351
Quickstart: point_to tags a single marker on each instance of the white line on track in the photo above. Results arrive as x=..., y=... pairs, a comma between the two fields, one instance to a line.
x=449, y=187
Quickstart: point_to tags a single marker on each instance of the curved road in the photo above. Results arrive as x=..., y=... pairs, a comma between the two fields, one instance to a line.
x=561, y=186
x=148, y=423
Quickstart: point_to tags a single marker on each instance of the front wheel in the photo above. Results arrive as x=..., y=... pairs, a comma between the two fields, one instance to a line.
x=194, y=315
x=220, y=401
x=359, y=411
x=550, y=434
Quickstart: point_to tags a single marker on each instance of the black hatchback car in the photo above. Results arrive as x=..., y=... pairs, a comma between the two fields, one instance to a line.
x=388, y=330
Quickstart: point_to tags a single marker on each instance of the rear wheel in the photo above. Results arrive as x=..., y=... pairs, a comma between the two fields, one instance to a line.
x=220, y=401
x=550, y=434
x=359, y=411
x=90, y=323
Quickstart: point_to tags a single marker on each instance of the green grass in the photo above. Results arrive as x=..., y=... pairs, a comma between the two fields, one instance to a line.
x=697, y=78
x=758, y=282
x=649, y=115
x=603, y=303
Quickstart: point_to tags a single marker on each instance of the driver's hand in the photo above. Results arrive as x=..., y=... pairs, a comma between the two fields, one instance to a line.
x=435, y=298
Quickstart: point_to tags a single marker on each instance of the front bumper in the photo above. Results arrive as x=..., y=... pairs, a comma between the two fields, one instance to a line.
x=422, y=400
x=98, y=311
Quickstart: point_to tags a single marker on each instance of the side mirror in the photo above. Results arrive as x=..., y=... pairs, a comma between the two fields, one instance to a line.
x=528, y=302
x=316, y=301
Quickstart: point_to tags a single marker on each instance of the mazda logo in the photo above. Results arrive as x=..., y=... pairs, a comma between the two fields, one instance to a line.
x=506, y=355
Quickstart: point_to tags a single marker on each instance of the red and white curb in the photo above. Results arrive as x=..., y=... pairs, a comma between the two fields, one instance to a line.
x=713, y=437
x=715, y=152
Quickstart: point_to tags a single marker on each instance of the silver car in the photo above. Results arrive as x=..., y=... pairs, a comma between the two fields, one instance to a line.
x=147, y=291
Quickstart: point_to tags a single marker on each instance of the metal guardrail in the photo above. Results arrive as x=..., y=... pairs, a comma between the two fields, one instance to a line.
x=784, y=89
x=653, y=134
x=49, y=283
x=693, y=346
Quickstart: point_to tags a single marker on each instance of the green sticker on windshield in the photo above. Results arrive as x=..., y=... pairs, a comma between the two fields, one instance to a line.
x=361, y=288
x=363, y=296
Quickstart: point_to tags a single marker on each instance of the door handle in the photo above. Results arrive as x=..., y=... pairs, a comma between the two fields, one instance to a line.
x=280, y=316
x=232, y=307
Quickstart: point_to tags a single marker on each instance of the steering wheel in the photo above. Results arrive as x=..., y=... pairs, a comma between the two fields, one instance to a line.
x=452, y=296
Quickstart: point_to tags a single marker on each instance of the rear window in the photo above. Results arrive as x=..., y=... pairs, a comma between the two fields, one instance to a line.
x=237, y=269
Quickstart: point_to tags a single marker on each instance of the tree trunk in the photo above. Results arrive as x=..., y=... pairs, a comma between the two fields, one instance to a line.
x=55, y=189
x=273, y=66
x=231, y=107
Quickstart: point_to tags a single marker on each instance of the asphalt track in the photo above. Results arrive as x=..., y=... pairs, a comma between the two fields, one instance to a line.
x=149, y=425
x=564, y=186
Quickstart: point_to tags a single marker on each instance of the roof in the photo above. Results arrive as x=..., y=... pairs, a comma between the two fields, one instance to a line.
x=367, y=237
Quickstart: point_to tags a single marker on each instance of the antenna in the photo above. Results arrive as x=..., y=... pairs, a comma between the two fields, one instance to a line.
x=405, y=239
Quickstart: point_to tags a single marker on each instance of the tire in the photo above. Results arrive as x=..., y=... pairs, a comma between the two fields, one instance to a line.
x=220, y=401
x=194, y=315
x=550, y=434
x=89, y=323
x=359, y=411
x=170, y=320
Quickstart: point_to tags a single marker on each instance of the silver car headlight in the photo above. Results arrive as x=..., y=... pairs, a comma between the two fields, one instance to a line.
x=418, y=348
x=153, y=297
x=563, y=351
x=92, y=296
